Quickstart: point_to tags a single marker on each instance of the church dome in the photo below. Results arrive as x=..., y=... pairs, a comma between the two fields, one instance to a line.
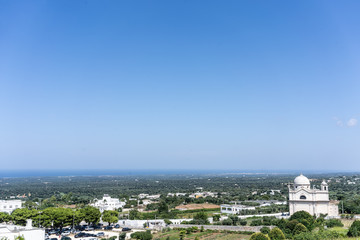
x=301, y=180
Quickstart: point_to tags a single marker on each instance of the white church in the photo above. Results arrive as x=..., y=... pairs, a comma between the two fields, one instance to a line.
x=314, y=201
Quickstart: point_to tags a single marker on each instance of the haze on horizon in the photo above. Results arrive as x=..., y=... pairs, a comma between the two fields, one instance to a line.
x=180, y=85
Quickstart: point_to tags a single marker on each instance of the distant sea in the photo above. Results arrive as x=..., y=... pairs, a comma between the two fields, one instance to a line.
x=119, y=172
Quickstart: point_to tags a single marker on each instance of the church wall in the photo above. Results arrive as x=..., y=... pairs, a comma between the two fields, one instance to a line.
x=322, y=196
x=322, y=208
x=303, y=206
x=333, y=210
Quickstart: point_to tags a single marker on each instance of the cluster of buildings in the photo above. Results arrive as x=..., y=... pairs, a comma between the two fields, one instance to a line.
x=108, y=203
x=203, y=195
x=148, y=196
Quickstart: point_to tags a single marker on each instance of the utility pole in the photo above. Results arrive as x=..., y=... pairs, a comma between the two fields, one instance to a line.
x=73, y=219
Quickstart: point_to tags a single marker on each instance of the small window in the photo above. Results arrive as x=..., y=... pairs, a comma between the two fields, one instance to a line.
x=302, y=197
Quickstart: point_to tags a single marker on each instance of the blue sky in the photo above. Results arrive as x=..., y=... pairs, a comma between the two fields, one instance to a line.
x=245, y=85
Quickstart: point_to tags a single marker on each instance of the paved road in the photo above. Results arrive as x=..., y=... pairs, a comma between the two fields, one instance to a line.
x=108, y=234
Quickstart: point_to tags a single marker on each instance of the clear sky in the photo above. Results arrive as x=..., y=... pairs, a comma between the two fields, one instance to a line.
x=246, y=85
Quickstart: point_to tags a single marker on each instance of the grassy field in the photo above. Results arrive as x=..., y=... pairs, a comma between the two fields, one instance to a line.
x=174, y=235
x=191, y=215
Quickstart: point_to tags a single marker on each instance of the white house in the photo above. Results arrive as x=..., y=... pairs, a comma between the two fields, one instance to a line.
x=9, y=205
x=234, y=209
x=10, y=232
x=108, y=203
x=314, y=201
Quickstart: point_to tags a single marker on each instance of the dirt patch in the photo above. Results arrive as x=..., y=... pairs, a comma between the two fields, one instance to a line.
x=197, y=206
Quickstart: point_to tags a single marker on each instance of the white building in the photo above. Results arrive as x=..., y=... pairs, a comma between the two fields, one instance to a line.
x=176, y=194
x=153, y=197
x=203, y=194
x=108, y=203
x=10, y=232
x=9, y=205
x=234, y=209
x=314, y=201
x=152, y=224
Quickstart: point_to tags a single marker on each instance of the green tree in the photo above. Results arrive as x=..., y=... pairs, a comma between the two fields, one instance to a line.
x=200, y=218
x=30, y=205
x=167, y=221
x=110, y=216
x=216, y=217
x=303, y=217
x=91, y=214
x=265, y=230
x=354, y=230
x=163, y=207
x=259, y=236
x=57, y=217
x=134, y=214
x=4, y=217
x=299, y=228
x=276, y=234
x=20, y=215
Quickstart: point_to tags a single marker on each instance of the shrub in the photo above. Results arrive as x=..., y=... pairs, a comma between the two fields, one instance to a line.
x=182, y=234
x=122, y=236
x=354, y=230
x=318, y=235
x=276, y=234
x=299, y=228
x=142, y=235
x=243, y=222
x=259, y=236
x=291, y=225
x=227, y=222
x=334, y=223
x=216, y=217
x=303, y=217
x=256, y=222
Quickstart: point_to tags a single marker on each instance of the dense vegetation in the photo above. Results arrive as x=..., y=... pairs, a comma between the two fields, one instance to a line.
x=45, y=192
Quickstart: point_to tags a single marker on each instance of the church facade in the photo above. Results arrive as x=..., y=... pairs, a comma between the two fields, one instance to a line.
x=314, y=201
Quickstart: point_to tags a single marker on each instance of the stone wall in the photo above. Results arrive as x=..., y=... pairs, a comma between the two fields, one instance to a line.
x=221, y=227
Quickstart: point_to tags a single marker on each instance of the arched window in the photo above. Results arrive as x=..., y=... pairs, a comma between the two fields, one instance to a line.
x=302, y=197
